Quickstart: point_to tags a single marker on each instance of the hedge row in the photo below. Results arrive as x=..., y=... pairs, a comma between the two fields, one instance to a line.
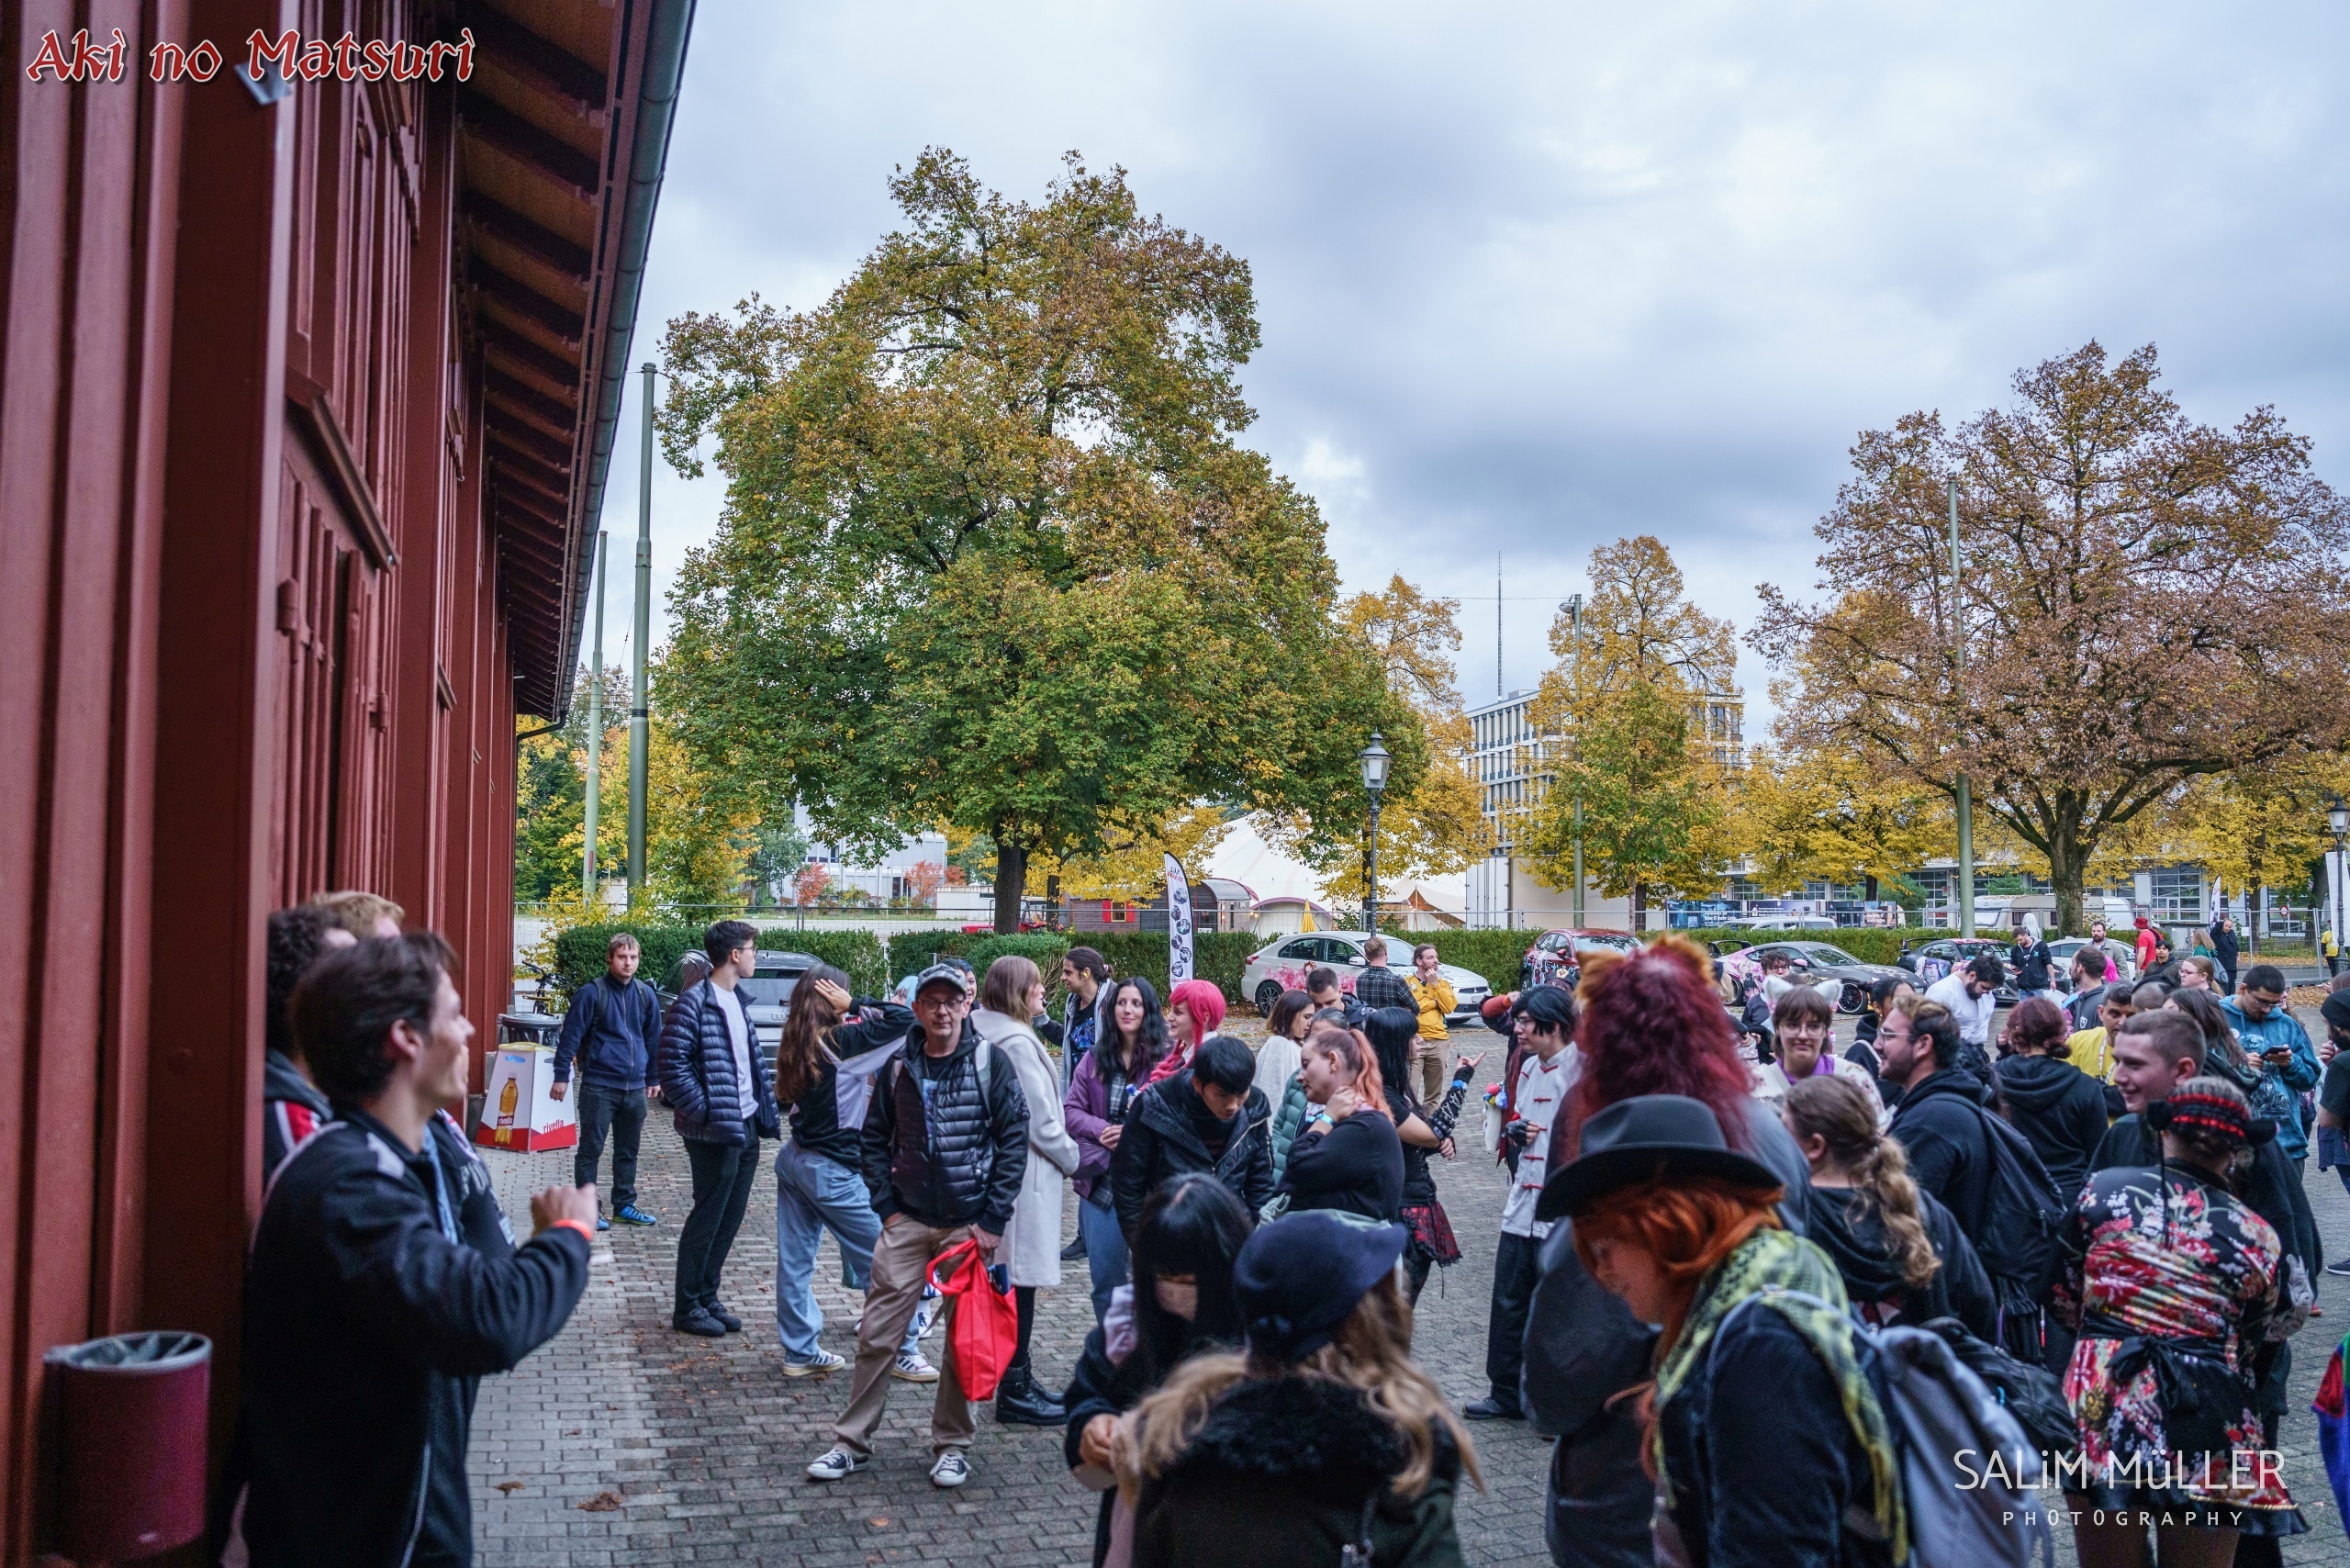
x=580, y=952
x=1217, y=955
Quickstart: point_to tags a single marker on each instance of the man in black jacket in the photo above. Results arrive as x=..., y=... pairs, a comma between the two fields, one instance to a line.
x=1209, y=1116
x=944, y=1151
x=716, y=1083
x=372, y=1304
x=1940, y=1120
x=1322, y=985
x=2227, y=950
x=612, y=1027
x=291, y=1107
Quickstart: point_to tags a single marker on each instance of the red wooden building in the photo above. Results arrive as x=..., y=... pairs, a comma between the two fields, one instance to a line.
x=306, y=390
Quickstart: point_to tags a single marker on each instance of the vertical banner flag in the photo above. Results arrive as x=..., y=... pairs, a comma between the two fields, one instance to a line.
x=1179, y=922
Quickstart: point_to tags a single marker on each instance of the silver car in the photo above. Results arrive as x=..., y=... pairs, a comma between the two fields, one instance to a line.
x=1281, y=966
x=2121, y=960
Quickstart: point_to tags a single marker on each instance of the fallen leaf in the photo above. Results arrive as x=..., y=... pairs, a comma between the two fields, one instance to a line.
x=602, y=1503
x=879, y=1524
x=509, y=1487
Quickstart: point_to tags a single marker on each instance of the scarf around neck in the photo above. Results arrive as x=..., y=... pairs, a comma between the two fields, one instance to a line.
x=1799, y=1281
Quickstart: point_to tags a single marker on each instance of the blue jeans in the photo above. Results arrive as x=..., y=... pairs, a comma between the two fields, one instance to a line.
x=1105, y=1249
x=813, y=1195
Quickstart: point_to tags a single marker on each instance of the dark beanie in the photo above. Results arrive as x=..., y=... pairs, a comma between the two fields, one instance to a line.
x=1297, y=1278
x=2335, y=1010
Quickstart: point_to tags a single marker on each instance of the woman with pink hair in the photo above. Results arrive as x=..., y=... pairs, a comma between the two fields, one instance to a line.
x=1195, y=1010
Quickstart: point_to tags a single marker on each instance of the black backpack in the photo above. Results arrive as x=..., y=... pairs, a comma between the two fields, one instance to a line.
x=2024, y=1214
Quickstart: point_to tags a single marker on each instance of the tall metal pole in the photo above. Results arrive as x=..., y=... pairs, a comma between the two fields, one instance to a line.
x=595, y=735
x=1966, y=796
x=1370, y=903
x=1498, y=623
x=1574, y=618
x=638, y=712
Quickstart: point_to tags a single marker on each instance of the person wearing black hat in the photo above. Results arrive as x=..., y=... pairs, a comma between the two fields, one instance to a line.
x=1767, y=1438
x=1320, y=1436
x=2172, y=1281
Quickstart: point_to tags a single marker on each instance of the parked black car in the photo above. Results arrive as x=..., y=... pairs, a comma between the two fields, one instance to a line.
x=1809, y=962
x=1935, y=960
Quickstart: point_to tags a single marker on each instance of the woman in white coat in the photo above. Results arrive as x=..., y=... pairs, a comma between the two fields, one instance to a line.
x=1010, y=998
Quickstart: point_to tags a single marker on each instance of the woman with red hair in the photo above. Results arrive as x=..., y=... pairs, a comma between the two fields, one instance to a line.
x=1195, y=1010
x=1767, y=1440
x=1651, y=1023
x=1354, y=1161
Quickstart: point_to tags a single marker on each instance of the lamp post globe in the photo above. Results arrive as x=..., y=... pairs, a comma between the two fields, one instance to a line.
x=1374, y=759
x=2337, y=817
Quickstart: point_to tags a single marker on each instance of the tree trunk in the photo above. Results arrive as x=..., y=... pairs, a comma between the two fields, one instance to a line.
x=1010, y=881
x=1868, y=889
x=1053, y=901
x=1639, y=908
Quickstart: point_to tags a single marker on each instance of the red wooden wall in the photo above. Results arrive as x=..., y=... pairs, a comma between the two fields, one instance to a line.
x=251, y=625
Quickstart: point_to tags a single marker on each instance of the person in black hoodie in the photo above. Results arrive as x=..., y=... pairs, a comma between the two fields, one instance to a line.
x=1939, y=1119
x=372, y=1305
x=1418, y=1129
x=1902, y=1256
x=1208, y=1116
x=1178, y=1306
x=1355, y=1163
x=2059, y=1109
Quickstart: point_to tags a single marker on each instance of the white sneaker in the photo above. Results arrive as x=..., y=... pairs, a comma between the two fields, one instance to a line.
x=817, y=1365
x=837, y=1464
x=912, y=1366
x=952, y=1469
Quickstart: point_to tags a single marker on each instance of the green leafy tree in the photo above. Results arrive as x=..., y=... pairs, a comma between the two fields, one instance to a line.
x=991, y=555
x=1654, y=811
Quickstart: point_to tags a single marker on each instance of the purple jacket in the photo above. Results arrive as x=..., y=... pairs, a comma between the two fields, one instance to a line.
x=1086, y=1107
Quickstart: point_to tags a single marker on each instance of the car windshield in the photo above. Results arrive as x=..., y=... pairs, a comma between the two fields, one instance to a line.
x=766, y=990
x=1821, y=953
x=1605, y=944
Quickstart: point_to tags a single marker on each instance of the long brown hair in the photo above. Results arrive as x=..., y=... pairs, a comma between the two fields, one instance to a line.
x=1370, y=1351
x=808, y=1025
x=1006, y=990
x=1839, y=1111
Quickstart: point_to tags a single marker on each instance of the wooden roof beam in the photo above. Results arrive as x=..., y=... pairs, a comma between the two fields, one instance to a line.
x=525, y=439
x=542, y=244
x=524, y=355
x=540, y=63
x=550, y=156
x=526, y=302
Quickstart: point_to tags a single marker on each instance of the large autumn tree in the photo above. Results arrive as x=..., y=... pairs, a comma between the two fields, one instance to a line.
x=2145, y=600
x=992, y=554
x=1431, y=820
x=1620, y=720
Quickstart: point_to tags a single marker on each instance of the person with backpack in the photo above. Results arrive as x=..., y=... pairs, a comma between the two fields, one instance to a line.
x=2226, y=949
x=1900, y=1254
x=1975, y=1165
x=1766, y=1434
x=2059, y=1110
x=2171, y=1280
x=944, y=1152
x=1101, y=1093
x=609, y=1035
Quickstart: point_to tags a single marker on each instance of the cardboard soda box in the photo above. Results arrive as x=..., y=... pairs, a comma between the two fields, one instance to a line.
x=520, y=1111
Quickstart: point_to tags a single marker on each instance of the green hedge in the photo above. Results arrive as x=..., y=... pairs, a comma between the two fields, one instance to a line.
x=580, y=952
x=1219, y=956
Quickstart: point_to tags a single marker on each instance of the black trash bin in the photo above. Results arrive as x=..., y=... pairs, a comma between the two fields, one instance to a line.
x=131, y=1411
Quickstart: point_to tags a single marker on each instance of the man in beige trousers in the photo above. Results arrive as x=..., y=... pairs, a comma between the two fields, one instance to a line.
x=945, y=1148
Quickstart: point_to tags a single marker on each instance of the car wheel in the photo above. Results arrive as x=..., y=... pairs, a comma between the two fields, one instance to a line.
x=1268, y=996
x=1852, y=999
x=1526, y=977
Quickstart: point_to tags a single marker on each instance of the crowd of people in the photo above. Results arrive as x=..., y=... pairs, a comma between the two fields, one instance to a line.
x=1712, y=1229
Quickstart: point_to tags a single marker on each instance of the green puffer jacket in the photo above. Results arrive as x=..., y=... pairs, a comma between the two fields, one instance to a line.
x=1287, y=1123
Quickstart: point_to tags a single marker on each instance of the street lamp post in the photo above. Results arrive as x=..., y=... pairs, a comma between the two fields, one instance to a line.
x=1965, y=796
x=1574, y=619
x=2337, y=865
x=1374, y=760
x=640, y=711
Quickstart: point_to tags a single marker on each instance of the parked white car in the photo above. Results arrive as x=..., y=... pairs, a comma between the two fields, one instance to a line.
x=1281, y=966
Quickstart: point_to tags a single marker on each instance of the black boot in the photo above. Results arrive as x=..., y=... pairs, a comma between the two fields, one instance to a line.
x=1020, y=1403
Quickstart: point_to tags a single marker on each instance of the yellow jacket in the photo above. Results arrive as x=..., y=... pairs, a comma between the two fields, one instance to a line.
x=2092, y=1053
x=1435, y=998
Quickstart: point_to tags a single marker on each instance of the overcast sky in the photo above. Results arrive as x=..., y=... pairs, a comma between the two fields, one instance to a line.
x=1534, y=277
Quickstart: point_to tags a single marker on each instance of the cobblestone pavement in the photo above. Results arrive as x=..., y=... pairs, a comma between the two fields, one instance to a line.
x=623, y=1442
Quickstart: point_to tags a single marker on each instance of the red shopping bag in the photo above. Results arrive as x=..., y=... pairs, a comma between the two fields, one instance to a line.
x=983, y=1332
